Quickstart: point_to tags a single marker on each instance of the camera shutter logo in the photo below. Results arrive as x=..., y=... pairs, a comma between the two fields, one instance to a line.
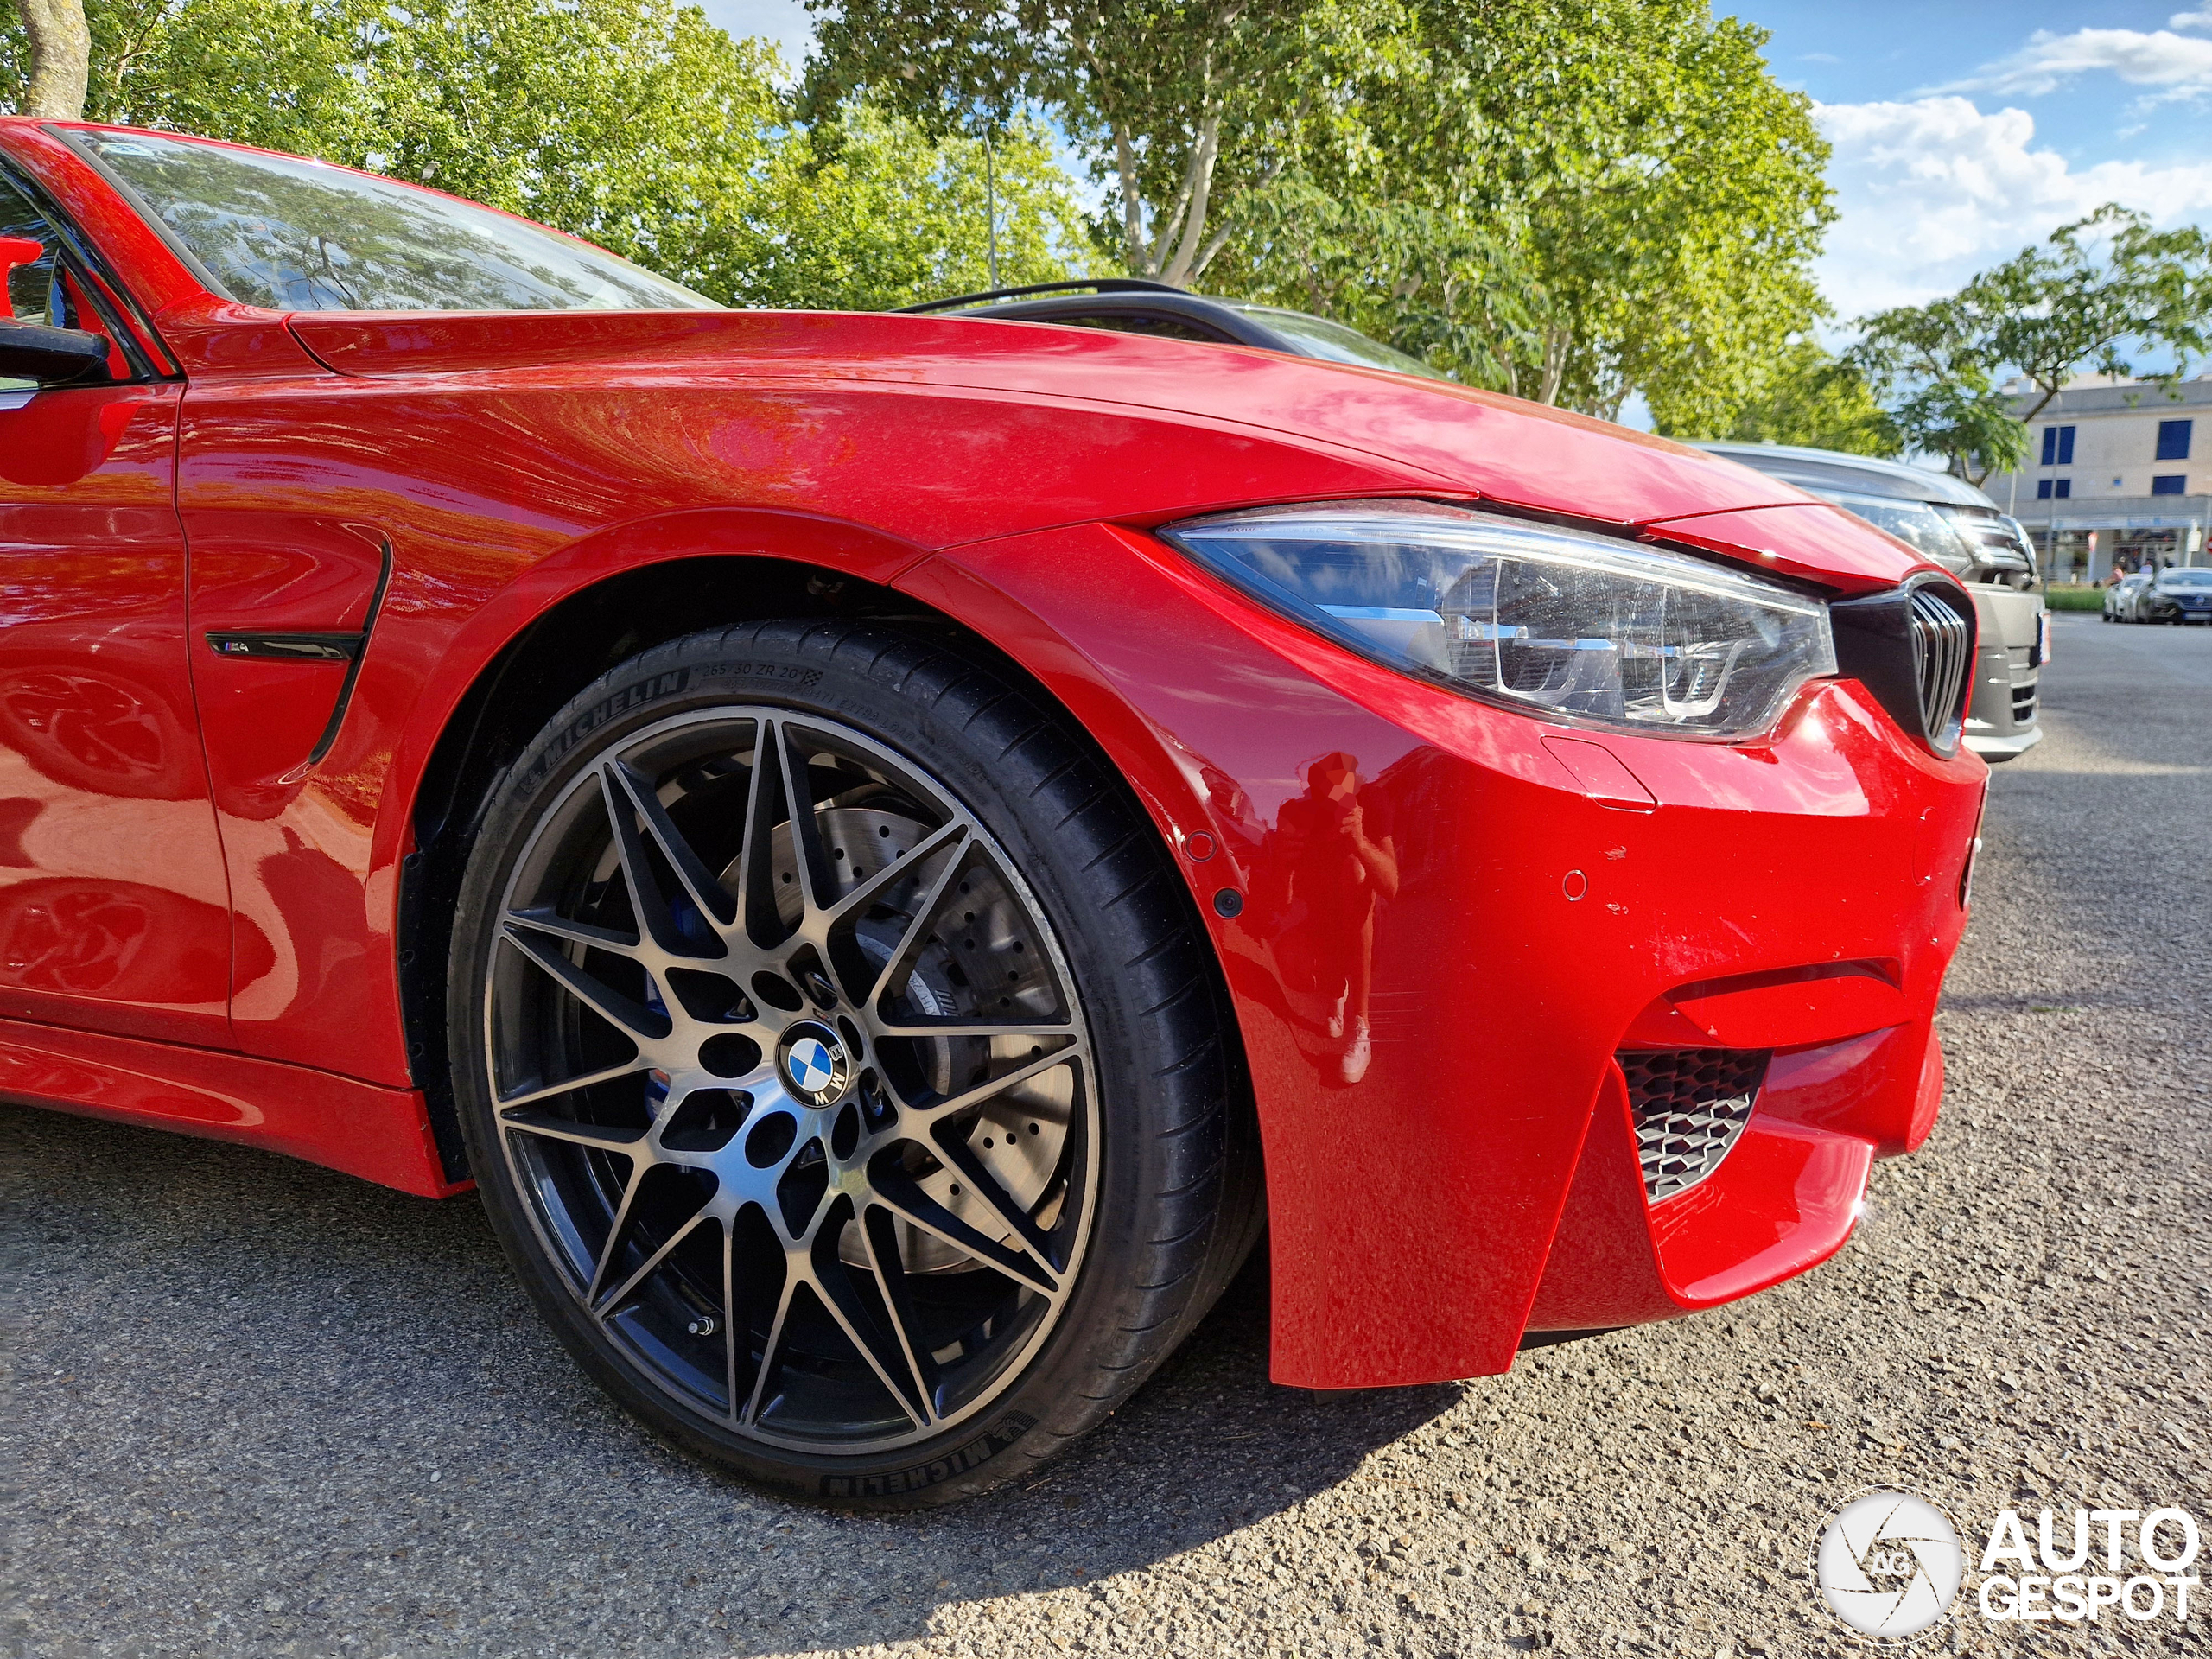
x=1889, y=1564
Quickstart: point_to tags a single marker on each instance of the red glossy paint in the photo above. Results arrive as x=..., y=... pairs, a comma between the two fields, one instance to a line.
x=1815, y=541
x=380, y=1134
x=1510, y=903
x=1481, y=967
x=18, y=250
x=114, y=912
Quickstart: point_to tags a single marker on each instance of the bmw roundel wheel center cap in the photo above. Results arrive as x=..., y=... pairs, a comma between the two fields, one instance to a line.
x=794, y=1080
x=816, y=1067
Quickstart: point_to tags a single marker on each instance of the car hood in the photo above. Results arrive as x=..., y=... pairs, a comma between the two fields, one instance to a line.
x=1443, y=439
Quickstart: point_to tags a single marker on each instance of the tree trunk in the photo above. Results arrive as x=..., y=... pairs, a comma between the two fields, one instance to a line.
x=62, y=55
x=1556, y=343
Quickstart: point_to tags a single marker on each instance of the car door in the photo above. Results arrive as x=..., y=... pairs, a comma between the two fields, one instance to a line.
x=114, y=909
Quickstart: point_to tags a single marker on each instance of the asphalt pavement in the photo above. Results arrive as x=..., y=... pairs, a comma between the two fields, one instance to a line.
x=253, y=1407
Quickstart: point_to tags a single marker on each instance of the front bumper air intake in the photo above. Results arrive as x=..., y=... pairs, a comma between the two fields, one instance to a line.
x=1688, y=1106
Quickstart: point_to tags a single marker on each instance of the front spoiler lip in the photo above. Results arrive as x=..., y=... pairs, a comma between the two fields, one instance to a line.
x=2018, y=743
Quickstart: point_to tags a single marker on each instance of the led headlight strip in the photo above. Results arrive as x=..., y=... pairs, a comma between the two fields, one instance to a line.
x=1555, y=622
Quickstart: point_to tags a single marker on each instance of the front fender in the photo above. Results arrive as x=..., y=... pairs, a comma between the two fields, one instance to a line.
x=1501, y=917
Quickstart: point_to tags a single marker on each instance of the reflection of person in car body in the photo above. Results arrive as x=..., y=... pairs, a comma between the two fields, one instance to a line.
x=1338, y=863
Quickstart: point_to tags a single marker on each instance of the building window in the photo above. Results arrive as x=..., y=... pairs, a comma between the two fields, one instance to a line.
x=2173, y=443
x=2058, y=446
x=2168, y=484
x=2062, y=489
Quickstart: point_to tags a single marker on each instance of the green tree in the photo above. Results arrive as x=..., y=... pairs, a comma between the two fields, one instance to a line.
x=1669, y=193
x=288, y=74
x=1187, y=107
x=635, y=123
x=875, y=214
x=1437, y=286
x=1810, y=397
x=1571, y=199
x=1936, y=368
x=2098, y=297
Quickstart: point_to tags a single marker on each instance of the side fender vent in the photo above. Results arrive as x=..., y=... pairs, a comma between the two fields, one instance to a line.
x=1688, y=1106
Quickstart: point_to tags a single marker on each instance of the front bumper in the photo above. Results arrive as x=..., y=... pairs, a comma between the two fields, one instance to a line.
x=2008, y=667
x=1494, y=908
x=1991, y=747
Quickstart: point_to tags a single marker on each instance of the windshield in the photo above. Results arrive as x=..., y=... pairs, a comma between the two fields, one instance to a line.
x=2185, y=579
x=1914, y=523
x=1337, y=344
x=304, y=236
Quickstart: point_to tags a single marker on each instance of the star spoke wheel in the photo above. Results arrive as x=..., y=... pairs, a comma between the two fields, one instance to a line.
x=825, y=1156
x=841, y=1061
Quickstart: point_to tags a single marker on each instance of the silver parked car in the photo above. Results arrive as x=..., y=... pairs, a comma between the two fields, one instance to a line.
x=2121, y=597
x=1963, y=530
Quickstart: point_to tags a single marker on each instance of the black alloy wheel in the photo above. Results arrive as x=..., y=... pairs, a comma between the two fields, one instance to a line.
x=841, y=1063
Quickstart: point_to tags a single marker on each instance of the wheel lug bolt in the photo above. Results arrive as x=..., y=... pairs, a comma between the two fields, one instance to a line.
x=704, y=1325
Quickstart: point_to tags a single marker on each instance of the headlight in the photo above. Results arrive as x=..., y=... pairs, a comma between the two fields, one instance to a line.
x=1555, y=622
x=1918, y=525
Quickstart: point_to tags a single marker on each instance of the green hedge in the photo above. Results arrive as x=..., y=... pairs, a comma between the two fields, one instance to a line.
x=2074, y=599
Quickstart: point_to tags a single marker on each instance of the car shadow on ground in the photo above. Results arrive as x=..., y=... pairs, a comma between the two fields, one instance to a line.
x=272, y=1404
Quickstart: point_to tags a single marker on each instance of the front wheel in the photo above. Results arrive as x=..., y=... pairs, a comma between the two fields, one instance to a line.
x=841, y=1064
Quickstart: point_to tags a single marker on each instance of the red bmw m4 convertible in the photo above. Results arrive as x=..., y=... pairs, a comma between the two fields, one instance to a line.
x=887, y=847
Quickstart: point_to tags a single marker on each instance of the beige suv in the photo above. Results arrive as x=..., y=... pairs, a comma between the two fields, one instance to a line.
x=1963, y=530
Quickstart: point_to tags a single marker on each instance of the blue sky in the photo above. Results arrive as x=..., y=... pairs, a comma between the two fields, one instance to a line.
x=1963, y=129
x=1873, y=50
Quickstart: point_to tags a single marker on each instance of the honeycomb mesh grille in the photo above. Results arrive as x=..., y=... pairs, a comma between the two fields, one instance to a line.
x=1689, y=1105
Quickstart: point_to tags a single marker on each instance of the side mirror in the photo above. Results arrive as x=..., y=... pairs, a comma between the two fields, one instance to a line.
x=52, y=357
x=29, y=351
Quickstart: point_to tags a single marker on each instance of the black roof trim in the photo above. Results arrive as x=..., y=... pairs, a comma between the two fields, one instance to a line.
x=1101, y=285
x=1221, y=321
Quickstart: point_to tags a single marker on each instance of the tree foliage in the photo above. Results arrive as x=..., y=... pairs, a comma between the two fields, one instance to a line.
x=1186, y=107
x=634, y=123
x=1572, y=200
x=1810, y=397
x=1433, y=283
x=874, y=212
x=1667, y=193
x=2100, y=295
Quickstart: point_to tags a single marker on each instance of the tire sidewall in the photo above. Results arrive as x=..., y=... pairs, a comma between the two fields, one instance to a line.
x=1059, y=1393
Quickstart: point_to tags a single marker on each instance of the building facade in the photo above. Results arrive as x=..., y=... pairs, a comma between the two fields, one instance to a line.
x=2118, y=472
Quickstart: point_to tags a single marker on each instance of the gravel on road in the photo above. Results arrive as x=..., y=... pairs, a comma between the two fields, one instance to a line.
x=253, y=1407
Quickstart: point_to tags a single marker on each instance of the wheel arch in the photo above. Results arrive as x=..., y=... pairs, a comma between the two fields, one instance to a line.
x=615, y=614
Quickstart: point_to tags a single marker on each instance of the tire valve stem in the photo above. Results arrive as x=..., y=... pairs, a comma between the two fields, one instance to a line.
x=704, y=1325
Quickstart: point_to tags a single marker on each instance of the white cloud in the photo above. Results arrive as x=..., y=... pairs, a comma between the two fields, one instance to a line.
x=2191, y=19
x=784, y=22
x=1932, y=190
x=2177, y=65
